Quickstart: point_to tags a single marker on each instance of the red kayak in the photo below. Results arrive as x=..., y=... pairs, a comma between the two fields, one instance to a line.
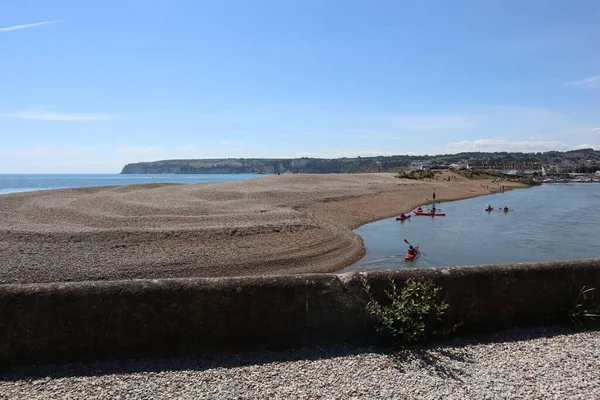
x=402, y=219
x=409, y=256
x=429, y=214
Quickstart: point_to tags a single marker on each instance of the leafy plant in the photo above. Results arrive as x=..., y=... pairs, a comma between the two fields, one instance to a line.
x=408, y=315
x=417, y=174
x=583, y=308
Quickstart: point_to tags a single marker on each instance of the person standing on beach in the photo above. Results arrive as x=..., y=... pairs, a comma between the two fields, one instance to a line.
x=433, y=196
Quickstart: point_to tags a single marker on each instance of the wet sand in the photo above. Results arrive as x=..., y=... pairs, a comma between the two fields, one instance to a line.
x=286, y=224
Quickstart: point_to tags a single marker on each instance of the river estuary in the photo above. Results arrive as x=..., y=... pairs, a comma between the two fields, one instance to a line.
x=545, y=223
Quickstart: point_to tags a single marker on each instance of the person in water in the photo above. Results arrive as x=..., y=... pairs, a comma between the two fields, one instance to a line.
x=412, y=251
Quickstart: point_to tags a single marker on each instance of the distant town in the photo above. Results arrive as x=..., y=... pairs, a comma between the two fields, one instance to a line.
x=578, y=165
x=552, y=166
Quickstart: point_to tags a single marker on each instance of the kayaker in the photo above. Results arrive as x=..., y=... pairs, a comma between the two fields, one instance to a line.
x=419, y=209
x=433, y=209
x=505, y=209
x=412, y=251
x=402, y=215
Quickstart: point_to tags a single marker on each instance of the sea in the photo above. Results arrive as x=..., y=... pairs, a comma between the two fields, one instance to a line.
x=544, y=223
x=12, y=183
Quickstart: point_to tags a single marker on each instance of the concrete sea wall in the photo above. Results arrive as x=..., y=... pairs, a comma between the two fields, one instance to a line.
x=61, y=322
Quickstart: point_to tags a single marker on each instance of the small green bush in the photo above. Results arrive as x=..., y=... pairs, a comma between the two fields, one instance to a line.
x=584, y=309
x=409, y=315
x=417, y=174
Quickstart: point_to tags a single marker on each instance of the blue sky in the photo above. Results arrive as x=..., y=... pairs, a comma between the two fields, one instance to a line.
x=90, y=86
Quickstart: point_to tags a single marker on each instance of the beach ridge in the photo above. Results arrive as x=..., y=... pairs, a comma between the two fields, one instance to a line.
x=286, y=224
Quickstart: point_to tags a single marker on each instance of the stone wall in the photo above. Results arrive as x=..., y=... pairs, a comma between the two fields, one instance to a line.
x=93, y=320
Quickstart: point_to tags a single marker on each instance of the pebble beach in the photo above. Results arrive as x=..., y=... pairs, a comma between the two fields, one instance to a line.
x=286, y=224
x=535, y=363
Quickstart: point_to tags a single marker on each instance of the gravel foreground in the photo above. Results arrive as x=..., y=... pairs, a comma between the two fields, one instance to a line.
x=535, y=363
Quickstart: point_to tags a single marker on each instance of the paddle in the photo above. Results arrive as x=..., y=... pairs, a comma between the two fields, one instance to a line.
x=437, y=208
x=416, y=250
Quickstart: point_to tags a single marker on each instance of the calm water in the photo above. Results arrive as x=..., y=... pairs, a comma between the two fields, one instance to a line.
x=550, y=222
x=25, y=183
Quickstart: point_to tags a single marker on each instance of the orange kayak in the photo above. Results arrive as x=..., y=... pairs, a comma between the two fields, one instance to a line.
x=409, y=256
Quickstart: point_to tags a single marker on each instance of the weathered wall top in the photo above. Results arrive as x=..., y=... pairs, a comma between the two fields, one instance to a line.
x=89, y=320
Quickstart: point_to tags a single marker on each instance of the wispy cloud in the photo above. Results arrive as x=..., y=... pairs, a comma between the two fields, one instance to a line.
x=379, y=135
x=491, y=145
x=592, y=81
x=231, y=143
x=26, y=26
x=587, y=146
x=41, y=113
x=316, y=134
x=139, y=150
x=338, y=153
x=436, y=122
x=31, y=157
x=504, y=145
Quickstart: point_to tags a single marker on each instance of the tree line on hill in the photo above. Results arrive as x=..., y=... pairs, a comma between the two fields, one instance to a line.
x=584, y=157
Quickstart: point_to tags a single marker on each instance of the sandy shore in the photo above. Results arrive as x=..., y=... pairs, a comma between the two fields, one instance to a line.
x=272, y=225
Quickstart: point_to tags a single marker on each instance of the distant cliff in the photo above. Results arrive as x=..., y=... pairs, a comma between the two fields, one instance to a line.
x=588, y=159
x=258, y=166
